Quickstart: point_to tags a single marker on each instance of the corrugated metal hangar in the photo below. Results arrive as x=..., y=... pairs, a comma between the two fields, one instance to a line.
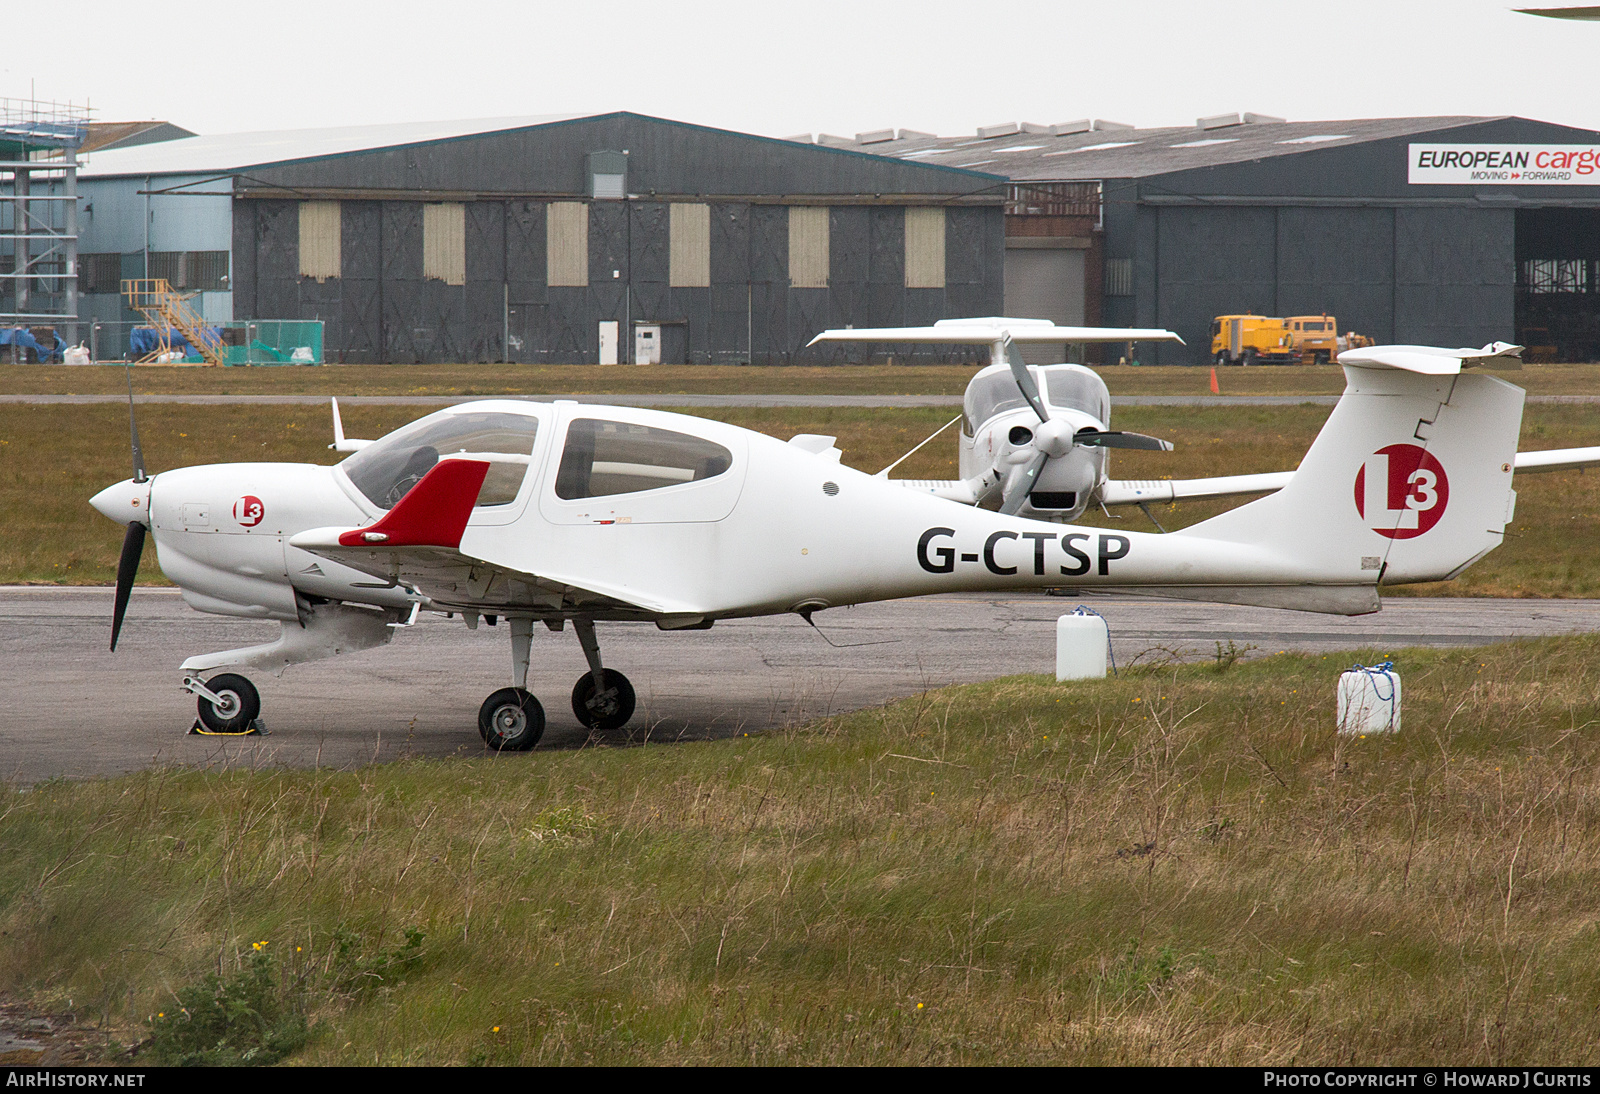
x=1448, y=231
x=544, y=239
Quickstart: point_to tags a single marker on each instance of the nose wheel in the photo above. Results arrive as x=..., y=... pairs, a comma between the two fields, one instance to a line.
x=607, y=705
x=227, y=704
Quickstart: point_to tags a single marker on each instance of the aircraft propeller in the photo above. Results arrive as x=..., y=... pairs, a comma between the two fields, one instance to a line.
x=1053, y=438
x=133, y=541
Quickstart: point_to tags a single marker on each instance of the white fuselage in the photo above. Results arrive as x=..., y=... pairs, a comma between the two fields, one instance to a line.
x=775, y=527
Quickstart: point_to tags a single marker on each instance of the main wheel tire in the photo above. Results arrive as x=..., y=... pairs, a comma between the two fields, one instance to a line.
x=1222, y=360
x=1247, y=358
x=603, y=708
x=511, y=720
x=241, y=704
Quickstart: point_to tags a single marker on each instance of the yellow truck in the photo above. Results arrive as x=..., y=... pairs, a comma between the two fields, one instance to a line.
x=1252, y=340
x=1315, y=337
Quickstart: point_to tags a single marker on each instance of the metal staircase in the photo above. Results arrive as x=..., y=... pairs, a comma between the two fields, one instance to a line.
x=168, y=311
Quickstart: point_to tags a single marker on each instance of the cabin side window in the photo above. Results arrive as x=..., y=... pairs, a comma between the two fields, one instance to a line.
x=602, y=458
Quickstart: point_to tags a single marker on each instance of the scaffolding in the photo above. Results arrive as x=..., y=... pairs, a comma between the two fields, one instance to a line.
x=167, y=311
x=39, y=213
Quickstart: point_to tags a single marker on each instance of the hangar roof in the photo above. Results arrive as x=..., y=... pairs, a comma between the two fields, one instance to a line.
x=237, y=151
x=1035, y=153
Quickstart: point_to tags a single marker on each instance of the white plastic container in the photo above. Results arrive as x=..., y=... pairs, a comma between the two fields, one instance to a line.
x=1369, y=701
x=1082, y=642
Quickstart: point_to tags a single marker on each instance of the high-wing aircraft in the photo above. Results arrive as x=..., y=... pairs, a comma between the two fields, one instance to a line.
x=1034, y=438
x=556, y=513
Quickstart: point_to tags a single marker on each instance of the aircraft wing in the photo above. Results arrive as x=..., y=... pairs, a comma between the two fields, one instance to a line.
x=950, y=489
x=418, y=544
x=1135, y=491
x=985, y=331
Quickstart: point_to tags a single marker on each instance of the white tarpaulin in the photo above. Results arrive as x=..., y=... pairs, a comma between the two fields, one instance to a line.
x=1505, y=164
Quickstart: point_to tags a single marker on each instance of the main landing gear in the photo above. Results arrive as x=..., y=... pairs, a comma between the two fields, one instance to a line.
x=512, y=720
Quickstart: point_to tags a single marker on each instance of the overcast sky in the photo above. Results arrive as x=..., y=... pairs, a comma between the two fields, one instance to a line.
x=838, y=66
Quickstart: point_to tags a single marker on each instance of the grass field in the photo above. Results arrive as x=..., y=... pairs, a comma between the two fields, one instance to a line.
x=698, y=379
x=54, y=458
x=1180, y=865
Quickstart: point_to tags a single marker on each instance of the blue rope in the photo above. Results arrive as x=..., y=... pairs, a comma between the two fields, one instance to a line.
x=1384, y=670
x=1084, y=609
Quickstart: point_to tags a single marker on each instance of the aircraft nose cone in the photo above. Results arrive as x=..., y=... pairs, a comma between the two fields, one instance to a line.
x=1053, y=438
x=125, y=503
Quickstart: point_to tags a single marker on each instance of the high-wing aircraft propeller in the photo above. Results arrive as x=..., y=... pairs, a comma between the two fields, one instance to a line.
x=1053, y=438
x=558, y=513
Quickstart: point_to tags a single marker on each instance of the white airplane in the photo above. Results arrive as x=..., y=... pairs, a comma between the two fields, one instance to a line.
x=560, y=512
x=1034, y=437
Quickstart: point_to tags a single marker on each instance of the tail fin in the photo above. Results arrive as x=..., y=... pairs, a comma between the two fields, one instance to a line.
x=1409, y=479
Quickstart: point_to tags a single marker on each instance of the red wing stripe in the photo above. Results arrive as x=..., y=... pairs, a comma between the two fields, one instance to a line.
x=432, y=514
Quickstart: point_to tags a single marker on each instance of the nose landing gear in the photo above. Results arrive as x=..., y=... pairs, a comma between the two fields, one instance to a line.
x=228, y=705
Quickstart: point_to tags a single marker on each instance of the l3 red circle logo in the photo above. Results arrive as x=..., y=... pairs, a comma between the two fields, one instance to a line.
x=1401, y=491
x=248, y=511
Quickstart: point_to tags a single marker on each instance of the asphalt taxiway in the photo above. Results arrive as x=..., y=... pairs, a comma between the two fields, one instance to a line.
x=70, y=707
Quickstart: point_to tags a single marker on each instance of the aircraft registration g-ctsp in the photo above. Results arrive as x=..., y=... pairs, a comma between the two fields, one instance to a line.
x=550, y=513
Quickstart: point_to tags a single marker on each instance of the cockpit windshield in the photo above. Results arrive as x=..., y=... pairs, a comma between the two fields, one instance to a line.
x=1068, y=388
x=989, y=395
x=388, y=468
x=1077, y=389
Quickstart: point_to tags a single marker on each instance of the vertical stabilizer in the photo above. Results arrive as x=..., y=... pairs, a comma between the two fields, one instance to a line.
x=1409, y=480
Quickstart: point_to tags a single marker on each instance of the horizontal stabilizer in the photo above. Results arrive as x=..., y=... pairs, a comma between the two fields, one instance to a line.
x=1433, y=361
x=1557, y=459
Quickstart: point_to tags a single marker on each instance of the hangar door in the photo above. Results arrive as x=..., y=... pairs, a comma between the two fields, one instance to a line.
x=1045, y=283
x=1558, y=284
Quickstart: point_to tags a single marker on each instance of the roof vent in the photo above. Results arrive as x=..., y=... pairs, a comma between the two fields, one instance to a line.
x=876, y=136
x=1006, y=129
x=800, y=138
x=916, y=134
x=1103, y=126
x=1219, y=121
x=1082, y=125
x=1263, y=119
x=1033, y=127
x=835, y=142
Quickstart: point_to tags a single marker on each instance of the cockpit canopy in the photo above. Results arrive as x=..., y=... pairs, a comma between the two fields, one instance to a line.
x=386, y=470
x=1065, y=387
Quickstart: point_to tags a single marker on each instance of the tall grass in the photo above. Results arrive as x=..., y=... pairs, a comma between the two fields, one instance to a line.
x=1183, y=864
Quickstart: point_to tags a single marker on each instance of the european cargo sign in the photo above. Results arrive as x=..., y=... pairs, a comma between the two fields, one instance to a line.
x=1505, y=164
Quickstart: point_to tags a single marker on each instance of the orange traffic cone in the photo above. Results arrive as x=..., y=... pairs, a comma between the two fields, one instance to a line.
x=1214, y=389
